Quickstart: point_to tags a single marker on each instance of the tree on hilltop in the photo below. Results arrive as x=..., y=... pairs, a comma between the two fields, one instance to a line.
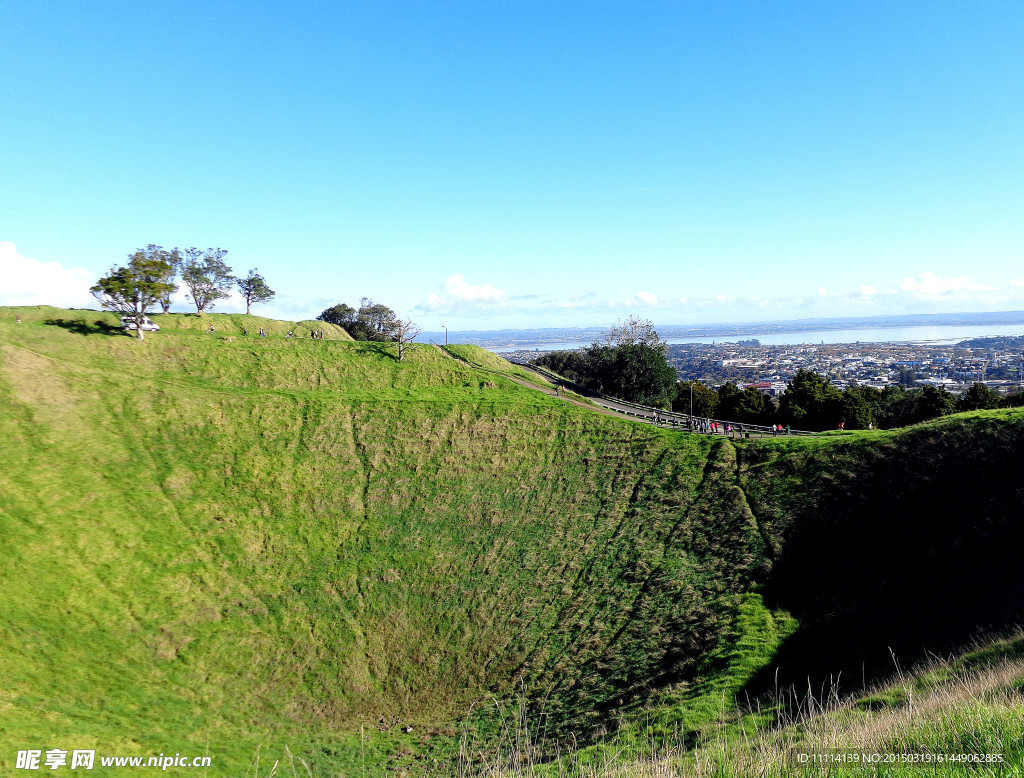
x=633, y=331
x=174, y=259
x=207, y=277
x=373, y=321
x=254, y=289
x=133, y=289
x=634, y=370
x=405, y=332
x=379, y=319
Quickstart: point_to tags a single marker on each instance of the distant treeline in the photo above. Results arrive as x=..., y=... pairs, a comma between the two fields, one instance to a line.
x=810, y=402
x=639, y=373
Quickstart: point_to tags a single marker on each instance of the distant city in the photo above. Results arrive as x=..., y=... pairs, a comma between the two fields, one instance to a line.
x=948, y=350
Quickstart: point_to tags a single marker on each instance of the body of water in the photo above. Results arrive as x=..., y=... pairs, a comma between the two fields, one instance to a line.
x=937, y=334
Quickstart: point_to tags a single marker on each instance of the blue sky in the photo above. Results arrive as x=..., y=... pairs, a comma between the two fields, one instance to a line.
x=524, y=164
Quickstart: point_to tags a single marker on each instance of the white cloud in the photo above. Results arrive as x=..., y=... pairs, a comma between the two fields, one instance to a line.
x=1018, y=282
x=648, y=297
x=27, y=281
x=930, y=285
x=461, y=295
x=460, y=290
x=868, y=291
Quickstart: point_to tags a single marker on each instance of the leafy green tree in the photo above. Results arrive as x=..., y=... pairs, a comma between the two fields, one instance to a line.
x=897, y=407
x=373, y=321
x=811, y=402
x=133, y=289
x=755, y=407
x=934, y=402
x=859, y=405
x=728, y=401
x=978, y=397
x=1015, y=400
x=907, y=378
x=173, y=259
x=339, y=314
x=748, y=405
x=207, y=277
x=254, y=289
x=705, y=399
x=855, y=412
x=637, y=373
x=380, y=321
x=641, y=374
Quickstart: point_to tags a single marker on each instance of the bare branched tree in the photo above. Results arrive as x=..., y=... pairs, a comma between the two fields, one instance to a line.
x=634, y=331
x=404, y=332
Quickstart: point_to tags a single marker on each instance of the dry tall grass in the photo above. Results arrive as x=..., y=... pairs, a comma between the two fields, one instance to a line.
x=942, y=708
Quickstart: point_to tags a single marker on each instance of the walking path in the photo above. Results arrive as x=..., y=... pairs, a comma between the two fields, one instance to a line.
x=659, y=417
x=611, y=406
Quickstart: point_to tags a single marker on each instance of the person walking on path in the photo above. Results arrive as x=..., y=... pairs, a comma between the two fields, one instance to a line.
x=262, y=333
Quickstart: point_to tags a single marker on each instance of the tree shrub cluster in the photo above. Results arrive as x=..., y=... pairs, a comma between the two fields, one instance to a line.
x=371, y=321
x=810, y=402
x=630, y=365
x=150, y=277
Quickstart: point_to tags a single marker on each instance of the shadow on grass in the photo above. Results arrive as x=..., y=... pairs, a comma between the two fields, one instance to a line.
x=84, y=328
x=901, y=556
x=382, y=350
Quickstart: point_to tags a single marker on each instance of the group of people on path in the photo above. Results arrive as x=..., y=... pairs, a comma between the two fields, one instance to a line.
x=712, y=427
x=314, y=334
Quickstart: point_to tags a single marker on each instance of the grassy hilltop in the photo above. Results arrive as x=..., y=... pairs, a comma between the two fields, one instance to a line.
x=241, y=545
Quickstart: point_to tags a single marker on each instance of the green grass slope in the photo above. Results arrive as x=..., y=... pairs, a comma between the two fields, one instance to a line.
x=85, y=321
x=241, y=545
x=286, y=539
